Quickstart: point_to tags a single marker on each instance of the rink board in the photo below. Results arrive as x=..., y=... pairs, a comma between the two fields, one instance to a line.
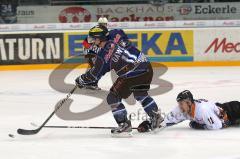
x=171, y=47
x=217, y=44
x=85, y=65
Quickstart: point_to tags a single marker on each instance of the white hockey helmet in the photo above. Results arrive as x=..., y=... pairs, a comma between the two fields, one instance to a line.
x=102, y=21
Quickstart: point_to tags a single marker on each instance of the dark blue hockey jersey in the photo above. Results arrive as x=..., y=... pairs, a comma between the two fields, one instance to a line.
x=112, y=56
x=119, y=37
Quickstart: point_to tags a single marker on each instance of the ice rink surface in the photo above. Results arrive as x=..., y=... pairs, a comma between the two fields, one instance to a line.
x=26, y=96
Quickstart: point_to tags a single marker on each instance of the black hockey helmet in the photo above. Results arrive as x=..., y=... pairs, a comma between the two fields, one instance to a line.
x=99, y=31
x=185, y=95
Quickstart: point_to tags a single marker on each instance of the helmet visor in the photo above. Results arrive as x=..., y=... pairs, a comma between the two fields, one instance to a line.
x=91, y=39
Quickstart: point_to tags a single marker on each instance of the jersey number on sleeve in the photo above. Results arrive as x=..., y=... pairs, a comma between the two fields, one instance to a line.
x=210, y=120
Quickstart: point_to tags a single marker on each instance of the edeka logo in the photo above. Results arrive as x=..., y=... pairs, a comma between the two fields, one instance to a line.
x=157, y=45
x=74, y=15
x=166, y=45
x=223, y=46
x=73, y=45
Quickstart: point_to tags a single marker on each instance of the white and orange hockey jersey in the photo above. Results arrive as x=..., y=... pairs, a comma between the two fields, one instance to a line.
x=203, y=112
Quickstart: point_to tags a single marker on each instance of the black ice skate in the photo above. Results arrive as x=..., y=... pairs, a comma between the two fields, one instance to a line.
x=123, y=130
x=157, y=122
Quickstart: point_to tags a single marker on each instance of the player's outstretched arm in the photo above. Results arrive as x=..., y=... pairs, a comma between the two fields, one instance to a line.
x=175, y=116
x=92, y=75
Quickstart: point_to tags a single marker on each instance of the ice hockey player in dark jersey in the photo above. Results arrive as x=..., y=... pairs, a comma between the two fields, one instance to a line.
x=118, y=36
x=134, y=76
x=201, y=113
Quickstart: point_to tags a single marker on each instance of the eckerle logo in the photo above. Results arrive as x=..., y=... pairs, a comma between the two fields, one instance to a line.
x=185, y=10
x=74, y=15
x=212, y=9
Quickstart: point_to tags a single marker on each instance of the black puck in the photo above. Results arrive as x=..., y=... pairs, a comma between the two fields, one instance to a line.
x=11, y=135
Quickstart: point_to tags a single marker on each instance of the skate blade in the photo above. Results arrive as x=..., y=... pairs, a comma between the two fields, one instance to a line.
x=122, y=135
x=157, y=130
x=92, y=88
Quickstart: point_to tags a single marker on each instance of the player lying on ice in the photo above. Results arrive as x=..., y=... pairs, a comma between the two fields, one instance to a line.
x=134, y=76
x=118, y=36
x=201, y=113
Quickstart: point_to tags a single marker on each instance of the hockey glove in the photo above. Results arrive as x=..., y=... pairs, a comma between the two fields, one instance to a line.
x=79, y=82
x=195, y=125
x=145, y=126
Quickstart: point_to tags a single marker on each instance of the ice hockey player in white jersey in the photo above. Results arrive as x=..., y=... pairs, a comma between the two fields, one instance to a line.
x=201, y=113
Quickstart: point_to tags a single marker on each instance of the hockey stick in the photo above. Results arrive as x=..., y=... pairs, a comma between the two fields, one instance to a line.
x=77, y=127
x=35, y=131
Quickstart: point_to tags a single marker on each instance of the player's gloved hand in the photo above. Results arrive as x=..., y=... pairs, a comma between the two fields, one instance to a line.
x=79, y=82
x=85, y=51
x=145, y=126
x=90, y=55
x=195, y=125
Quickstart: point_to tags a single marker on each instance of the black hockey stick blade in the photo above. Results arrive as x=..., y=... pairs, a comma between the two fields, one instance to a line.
x=27, y=132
